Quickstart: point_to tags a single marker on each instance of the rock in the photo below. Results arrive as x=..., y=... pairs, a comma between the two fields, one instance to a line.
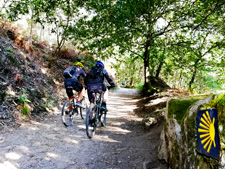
x=150, y=122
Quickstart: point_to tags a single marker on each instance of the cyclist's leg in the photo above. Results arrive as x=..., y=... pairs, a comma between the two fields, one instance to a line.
x=79, y=88
x=81, y=94
x=104, y=97
x=69, y=91
x=91, y=96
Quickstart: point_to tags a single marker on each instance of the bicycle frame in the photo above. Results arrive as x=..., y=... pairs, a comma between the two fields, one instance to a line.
x=97, y=106
x=98, y=114
x=68, y=116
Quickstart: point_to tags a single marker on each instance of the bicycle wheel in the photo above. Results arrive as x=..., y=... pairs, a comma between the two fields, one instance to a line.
x=102, y=118
x=90, y=126
x=82, y=110
x=67, y=115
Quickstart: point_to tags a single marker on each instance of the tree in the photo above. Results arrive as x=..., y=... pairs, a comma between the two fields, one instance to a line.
x=130, y=25
x=59, y=15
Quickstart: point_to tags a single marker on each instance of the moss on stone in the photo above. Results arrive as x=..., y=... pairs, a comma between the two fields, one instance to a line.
x=178, y=108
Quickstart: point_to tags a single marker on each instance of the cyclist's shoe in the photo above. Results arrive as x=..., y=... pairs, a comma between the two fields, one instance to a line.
x=91, y=122
x=79, y=104
x=103, y=106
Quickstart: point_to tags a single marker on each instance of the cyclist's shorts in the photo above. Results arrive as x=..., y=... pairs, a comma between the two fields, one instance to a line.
x=92, y=88
x=72, y=84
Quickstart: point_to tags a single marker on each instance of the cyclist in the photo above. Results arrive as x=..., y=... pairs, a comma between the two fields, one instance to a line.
x=94, y=81
x=72, y=76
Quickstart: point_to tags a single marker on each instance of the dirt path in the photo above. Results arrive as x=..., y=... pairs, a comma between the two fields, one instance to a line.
x=122, y=144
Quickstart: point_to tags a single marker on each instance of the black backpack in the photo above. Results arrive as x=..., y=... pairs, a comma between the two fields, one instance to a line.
x=95, y=73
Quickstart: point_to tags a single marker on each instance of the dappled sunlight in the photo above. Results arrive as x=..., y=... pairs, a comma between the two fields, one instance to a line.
x=82, y=126
x=117, y=115
x=157, y=101
x=7, y=165
x=117, y=130
x=13, y=156
x=48, y=142
x=33, y=128
x=69, y=140
x=115, y=104
x=105, y=139
x=52, y=155
x=24, y=148
x=132, y=100
x=123, y=108
x=117, y=123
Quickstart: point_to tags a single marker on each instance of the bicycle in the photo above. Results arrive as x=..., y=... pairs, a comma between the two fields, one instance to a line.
x=68, y=115
x=98, y=118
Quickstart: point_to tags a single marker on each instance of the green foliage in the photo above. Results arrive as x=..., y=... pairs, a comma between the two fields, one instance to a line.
x=23, y=98
x=25, y=110
x=184, y=37
x=9, y=49
x=140, y=86
x=218, y=102
x=221, y=102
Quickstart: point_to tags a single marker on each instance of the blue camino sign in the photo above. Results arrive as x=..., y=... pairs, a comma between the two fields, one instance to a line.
x=207, y=133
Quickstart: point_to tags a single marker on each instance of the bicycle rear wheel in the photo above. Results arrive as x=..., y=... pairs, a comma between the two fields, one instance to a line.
x=67, y=115
x=83, y=110
x=90, y=126
x=102, y=118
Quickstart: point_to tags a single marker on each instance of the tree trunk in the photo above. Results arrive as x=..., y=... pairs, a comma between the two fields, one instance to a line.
x=146, y=63
x=175, y=80
x=161, y=63
x=31, y=27
x=180, y=78
x=159, y=68
x=192, y=79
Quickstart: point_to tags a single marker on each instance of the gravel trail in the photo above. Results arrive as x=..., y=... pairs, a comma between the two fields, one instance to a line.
x=122, y=144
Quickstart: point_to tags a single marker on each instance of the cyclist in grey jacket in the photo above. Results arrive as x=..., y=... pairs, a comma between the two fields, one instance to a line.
x=71, y=82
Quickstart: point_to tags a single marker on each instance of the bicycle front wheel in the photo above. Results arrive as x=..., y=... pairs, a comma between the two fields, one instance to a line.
x=102, y=118
x=90, y=125
x=67, y=114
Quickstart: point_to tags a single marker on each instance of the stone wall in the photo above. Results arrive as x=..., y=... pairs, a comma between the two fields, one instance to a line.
x=178, y=145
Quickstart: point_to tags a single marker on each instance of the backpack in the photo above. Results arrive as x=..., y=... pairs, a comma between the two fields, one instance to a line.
x=95, y=74
x=68, y=72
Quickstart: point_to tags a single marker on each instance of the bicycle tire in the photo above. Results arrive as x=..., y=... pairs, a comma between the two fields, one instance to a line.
x=82, y=110
x=102, y=118
x=90, y=127
x=67, y=116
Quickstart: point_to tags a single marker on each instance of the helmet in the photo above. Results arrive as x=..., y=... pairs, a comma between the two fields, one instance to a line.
x=78, y=64
x=99, y=63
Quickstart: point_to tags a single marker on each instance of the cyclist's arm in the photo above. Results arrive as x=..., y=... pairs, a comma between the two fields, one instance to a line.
x=109, y=79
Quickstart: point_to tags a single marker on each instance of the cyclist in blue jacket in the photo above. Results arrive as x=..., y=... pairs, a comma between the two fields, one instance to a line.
x=72, y=75
x=94, y=81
